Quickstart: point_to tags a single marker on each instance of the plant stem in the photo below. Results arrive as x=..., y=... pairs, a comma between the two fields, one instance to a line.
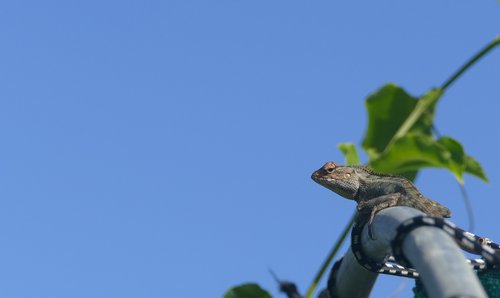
x=468, y=207
x=330, y=257
x=495, y=42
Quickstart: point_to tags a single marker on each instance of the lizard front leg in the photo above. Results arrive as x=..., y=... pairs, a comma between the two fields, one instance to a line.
x=368, y=209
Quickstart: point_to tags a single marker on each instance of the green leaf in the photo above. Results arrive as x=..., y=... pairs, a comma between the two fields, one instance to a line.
x=392, y=113
x=455, y=156
x=474, y=168
x=350, y=153
x=409, y=153
x=410, y=175
x=399, y=136
x=387, y=109
x=416, y=151
x=421, y=118
x=249, y=290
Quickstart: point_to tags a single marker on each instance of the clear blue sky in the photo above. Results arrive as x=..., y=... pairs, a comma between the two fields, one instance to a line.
x=164, y=148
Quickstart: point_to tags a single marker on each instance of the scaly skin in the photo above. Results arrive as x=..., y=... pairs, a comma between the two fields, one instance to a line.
x=374, y=192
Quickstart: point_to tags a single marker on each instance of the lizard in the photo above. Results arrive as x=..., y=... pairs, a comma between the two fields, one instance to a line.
x=373, y=191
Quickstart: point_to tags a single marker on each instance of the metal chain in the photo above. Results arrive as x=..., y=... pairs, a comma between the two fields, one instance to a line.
x=466, y=240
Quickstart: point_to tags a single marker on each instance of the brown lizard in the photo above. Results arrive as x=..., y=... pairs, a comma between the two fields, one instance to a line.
x=374, y=192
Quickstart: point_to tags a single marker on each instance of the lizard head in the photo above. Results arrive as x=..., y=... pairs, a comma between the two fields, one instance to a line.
x=340, y=179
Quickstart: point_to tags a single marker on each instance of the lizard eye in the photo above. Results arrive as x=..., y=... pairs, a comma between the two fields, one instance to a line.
x=329, y=167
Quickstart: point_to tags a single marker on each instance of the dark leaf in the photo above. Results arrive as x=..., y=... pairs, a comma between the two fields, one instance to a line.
x=250, y=290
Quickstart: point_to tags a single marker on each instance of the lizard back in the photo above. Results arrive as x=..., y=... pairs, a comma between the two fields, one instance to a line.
x=379, y=184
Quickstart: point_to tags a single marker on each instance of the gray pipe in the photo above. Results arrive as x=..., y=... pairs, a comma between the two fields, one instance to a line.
x=440, y=262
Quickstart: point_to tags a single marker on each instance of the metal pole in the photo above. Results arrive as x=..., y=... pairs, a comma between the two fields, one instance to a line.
x=353, y=280
x=440, y=262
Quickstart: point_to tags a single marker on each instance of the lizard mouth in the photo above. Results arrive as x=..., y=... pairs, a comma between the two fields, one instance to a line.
x=316, y=176
x=320, y=178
